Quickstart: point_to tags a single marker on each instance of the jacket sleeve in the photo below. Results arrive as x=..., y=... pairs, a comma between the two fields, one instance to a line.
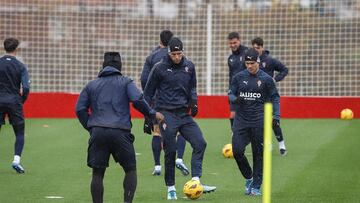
x=82, y=107
x=193, y=91
x=152, y=83
x=145, y=72
x=230, y=71
x=25, y=82
x=233, y=91
x=137, y=98
x=281, y=69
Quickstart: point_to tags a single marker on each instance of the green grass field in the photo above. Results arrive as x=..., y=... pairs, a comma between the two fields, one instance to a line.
x=322, y=164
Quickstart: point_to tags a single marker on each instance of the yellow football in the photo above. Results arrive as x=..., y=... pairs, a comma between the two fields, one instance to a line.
x=346, y=114
x=227, y=151
x=193, y=189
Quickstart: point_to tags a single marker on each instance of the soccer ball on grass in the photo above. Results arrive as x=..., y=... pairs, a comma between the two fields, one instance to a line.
x=227, y=151
x=193, y=189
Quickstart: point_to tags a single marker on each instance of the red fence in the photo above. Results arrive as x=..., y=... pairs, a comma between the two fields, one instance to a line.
x=62, y=105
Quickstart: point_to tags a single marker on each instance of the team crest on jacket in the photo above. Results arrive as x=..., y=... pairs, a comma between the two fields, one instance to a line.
x=263, y=64
x=164, y=126
x=259, y=83
x=186, y=69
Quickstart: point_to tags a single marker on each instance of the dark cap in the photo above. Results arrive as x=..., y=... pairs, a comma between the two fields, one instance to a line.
x=112, y=59
x=252, y=55
x=175, y=44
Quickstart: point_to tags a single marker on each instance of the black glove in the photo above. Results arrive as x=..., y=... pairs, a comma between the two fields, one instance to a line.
x=25, y=95
x=148, y=125
x=193, y=108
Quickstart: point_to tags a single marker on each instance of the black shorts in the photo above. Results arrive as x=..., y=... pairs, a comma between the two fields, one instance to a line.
x=106, y=141
x=14, y=111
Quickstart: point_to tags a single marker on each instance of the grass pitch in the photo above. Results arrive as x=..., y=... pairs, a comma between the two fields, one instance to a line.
x=322, y=164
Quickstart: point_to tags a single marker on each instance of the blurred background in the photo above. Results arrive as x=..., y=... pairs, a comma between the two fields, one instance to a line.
x=63, y=41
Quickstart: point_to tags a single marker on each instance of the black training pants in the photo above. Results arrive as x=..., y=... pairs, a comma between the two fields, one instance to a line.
x=183, y=123
x=241, y=138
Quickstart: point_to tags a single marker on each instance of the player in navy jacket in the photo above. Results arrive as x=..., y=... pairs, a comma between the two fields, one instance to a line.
x=103, y=109
x=173, y=80
x=249, y=90
x=235, y=63
x=14, y=90
x=151, y=128
x=271, y=65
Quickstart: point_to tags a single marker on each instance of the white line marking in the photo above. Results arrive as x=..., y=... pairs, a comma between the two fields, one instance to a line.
x=54, y=197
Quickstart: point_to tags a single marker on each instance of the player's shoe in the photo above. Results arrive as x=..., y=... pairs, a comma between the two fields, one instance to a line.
x=157, y=170
x=283, y=152
x=18, y=168
x=247, y=186
x=172, y=195
x=208, y=189
x=255, y=192
x=184, y=170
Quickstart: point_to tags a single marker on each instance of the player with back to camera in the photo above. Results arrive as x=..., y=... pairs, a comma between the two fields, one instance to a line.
x=14, y=90
x=103, y=109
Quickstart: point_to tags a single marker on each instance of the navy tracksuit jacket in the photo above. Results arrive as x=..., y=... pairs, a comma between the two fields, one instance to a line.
x=250, y=92
x=175, y=87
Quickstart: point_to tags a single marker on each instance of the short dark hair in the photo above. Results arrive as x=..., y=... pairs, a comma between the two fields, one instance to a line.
x=10, y=44
x=257, y=40
x=165, y=37
x=233, y=35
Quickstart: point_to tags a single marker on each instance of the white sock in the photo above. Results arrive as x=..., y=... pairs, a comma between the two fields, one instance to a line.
x=195, y=178
x=16, y=159
x=171, y=188
x=282, y=145
x=158, y=167
x=179, y=161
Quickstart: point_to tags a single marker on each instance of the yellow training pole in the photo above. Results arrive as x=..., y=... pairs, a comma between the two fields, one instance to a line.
x=266, y=198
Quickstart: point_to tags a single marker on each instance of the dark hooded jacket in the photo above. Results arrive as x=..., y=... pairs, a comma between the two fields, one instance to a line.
x=270, y=65
x=104, y=102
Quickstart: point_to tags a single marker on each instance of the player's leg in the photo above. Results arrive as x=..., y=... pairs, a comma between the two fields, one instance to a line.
x=240, y=139
x=19, y=146
x=257, y=139
x=129, y=185
x=2, y=117
x=97, y=186
x=192, y=133
x=156, y=149
x=180, y=147
x=277, y=129
x=16, y=118
x=123, y=151
x=98, y=160
x=279, y=136
x=168, y=131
